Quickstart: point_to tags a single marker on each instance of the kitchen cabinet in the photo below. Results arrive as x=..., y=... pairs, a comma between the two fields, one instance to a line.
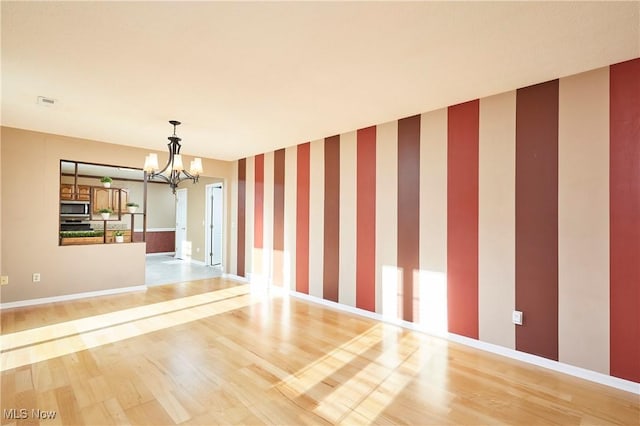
x=115, y=199
x=84, y=193
x=67, y=192
x=101, y=199
x=121, y=203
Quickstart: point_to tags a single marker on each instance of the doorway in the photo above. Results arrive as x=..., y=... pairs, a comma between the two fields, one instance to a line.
x=182, y=251
x=214, y=225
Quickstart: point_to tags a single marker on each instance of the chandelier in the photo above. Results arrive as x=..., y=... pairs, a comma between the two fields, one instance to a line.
x=173, y=172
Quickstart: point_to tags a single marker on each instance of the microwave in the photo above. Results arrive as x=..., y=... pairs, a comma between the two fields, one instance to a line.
x=75, y=210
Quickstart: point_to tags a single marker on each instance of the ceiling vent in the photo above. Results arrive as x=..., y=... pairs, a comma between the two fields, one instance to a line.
x=42, y=100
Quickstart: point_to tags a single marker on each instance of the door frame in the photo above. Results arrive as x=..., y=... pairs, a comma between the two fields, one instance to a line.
x=179, y=250
x=209, y=222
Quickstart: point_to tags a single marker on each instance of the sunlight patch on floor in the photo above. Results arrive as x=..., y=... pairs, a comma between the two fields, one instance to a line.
x=312, y=374
x=73, y=336
x=354, y=392
x=83, y=325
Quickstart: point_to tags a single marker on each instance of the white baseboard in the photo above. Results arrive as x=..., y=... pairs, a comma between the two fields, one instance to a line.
x=237, y=278
x=560, y=367
x=43, y=300
x=165, y=253
x=593, y=376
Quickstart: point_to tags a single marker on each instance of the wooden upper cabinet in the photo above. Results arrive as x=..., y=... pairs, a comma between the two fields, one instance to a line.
x=67, y=192
x=120, y=198
x=110, y=198
x=84, y=193
x=102, y=199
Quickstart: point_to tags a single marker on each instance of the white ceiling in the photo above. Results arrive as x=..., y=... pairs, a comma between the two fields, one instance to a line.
x=251, y=77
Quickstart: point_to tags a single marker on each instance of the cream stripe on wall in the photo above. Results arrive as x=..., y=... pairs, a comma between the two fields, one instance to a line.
x=583, y=220
x=347, y=283
x=433, y=221
x=250, y=195
x=316, y=218
x=231, y=188
x=387, y=279
x=290, y=182
x=267, y=252
x=496, y=216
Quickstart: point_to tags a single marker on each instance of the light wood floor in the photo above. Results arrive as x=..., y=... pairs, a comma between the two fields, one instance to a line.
x=213, y=352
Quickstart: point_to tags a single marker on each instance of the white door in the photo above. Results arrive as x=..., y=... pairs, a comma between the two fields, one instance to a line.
x=181, y=224
x=214, y=229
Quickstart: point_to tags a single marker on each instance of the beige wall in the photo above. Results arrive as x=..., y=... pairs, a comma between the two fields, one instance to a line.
x=161, y=210
x=196, y=210
x=29, y=237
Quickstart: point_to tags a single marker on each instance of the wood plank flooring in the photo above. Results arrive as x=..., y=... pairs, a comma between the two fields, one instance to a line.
x=215, y=352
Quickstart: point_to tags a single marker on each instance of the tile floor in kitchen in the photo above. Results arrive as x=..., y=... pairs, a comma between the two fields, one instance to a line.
x=165, y=269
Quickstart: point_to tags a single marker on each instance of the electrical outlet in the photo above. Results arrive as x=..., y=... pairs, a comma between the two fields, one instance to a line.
x=517, y=317
x=36, y=277
x=4, y=280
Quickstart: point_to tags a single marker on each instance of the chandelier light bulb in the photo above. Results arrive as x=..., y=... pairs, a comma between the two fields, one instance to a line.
x=151, y=163
x=177, y=163
x=196, y=166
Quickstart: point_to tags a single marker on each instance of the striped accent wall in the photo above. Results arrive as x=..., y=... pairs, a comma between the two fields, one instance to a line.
x=528, y=200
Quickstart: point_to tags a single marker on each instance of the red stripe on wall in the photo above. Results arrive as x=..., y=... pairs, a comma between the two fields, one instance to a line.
x=278, y=200
x=331, y=218
x=624, y=193
x=537, y=218
x=259, y=202
x=408, y=209
x=462, y=218
x=242, y=191
x=278, y=218
x=366, y=219
x=302, y=218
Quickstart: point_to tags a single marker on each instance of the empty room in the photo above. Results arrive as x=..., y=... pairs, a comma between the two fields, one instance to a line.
x=319, y=213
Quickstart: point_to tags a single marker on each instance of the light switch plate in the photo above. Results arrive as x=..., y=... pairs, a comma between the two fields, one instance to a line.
x=4, y=280
x=517, y=317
